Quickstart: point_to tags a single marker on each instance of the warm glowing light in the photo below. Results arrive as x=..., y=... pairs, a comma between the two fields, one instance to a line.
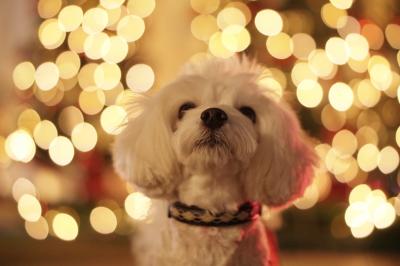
x=309, y=199
x=50, y=34
x=65, y=227
x=336, y=163
x=363, y=230
x=359, y=193
x=268, y=22
x=117, y=51
x=69, y=117
x=356, y=214
x=61, y=151
x=140, y=78
x=337, y=50
x=388, y=160
x=203, y=27
x=342, y=4
x=38, y=230
x=374, y=35
x=86, y=76
x=47, y=76
x=309, y=93
x=94, y=20
x=230, y=16
x=347, y=25
x=107, y=75
x=97, y=45
x=332, y=119
x=302, y=71
x=29, y=208
x=113, y=119
x=320, y=63
x=331, y=15
x=92, y=102
x=345, y=143
x=131, y=28
x=141, y=8
x=103, y=220
x=358, y=46
x=398, y=136
x=137, y=206
x=340, y=96
x=20, y=146
x=235, y=38
x=243, y=8
x=280, y=46
x=384, y=215
x=111, y=4
x=367, y=94
x=70, y=18
x=204, y=6
x=76, y=40
x=84, y=137
x=392, y=33
x=368, y=157
x=44, y=133
x=381, y=75
x=68, y=63
x=24, y=75
x=114, y=15
x=350, y=173
x=303, y=45
x=48, y=8
x=28, y=119
x=366, y=135
x=21, y=187
x=216, y=46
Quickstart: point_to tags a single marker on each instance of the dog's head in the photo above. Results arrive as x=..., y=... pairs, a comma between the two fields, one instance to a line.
x=214, y=116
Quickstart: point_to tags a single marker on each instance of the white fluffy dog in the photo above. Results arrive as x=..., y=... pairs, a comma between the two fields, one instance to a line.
x=209, y=148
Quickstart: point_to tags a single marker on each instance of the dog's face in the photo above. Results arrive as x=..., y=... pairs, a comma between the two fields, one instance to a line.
x=215, y=116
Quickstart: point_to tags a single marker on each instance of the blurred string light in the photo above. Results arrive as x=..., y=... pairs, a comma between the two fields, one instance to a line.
x=103, y=220
x=368, y=209
x=100, y=39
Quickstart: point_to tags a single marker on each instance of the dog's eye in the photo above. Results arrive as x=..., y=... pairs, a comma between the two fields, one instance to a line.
x=249, y=112
x=184, y=107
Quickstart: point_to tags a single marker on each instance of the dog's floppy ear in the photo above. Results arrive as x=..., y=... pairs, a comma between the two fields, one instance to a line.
x=142, y=151
x=283, y=164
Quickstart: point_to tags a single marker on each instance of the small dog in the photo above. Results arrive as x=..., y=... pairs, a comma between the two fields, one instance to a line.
x=209, y=149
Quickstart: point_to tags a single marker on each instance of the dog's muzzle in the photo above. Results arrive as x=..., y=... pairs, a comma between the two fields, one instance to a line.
x=194, y=215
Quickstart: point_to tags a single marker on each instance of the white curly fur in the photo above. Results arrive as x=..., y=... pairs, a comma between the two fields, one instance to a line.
x=268, y=161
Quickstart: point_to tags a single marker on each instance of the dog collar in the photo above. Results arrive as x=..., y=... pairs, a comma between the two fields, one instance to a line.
x=194, y=215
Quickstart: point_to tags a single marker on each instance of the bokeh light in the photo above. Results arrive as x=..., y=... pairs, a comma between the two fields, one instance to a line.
x=309, y=93
x=38, y=230
x=140, y=77
x=268, y=22
x=103, y=220
x=20, y=146
x=113, y=119
x=84, y=137
x=61, y=151
x=340, y=96
x=131, y=28
x=24, y=75
x=94, y=20
x=47, y=76
x=137, y=206
x=65, y=227
x=70, y=18
x=29, y=208
x=45, y=132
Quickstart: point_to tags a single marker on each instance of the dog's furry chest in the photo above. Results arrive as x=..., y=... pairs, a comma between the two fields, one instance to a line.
x=168, y=242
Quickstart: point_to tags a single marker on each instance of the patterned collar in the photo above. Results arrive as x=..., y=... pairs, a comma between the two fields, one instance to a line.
x=194, y=215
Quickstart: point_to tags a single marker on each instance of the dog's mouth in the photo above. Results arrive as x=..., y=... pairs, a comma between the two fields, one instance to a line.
x=211, y=139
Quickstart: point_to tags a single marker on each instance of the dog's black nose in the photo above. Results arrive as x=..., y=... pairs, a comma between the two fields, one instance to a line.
x=213, y=118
